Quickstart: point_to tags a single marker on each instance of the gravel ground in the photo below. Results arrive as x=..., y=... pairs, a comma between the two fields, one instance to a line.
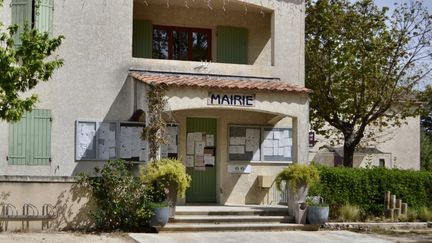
x=64, y=237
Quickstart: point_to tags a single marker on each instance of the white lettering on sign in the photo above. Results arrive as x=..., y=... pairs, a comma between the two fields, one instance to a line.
x=231, y=99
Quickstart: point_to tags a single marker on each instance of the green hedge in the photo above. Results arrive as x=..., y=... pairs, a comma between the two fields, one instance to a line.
x=366, y=187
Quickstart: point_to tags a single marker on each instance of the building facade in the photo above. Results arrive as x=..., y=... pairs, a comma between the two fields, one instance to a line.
x=233, y=72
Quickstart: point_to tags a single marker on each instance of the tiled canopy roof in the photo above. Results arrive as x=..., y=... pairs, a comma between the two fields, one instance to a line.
x=215, y=82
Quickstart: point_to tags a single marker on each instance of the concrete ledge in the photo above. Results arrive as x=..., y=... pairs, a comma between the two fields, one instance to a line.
x=366, y=226
x=39, y=179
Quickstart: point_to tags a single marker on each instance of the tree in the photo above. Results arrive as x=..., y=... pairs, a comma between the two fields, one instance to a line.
x=426, y=116
x=363, y=65
x=23, y=66
x=425, y=152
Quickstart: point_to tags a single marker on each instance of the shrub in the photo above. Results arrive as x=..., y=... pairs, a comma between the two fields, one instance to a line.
x=410, y=216
x=366, y=187
x=122, y=201
x=424, y=214
x=296, y=175
x=349, y=213
x=166, y=173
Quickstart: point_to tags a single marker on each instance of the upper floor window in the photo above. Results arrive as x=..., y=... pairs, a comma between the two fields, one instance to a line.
x=35, y=13
x=192, y=44
x=179, y=43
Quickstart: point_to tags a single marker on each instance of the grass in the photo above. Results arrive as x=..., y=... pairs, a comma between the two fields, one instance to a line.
x=349, y=213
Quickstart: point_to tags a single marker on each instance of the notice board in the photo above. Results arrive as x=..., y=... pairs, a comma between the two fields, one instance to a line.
x=244, y=143
x=277, y=144
x=95, y=140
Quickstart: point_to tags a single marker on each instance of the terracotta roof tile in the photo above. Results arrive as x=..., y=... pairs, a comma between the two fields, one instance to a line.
x=204, y=81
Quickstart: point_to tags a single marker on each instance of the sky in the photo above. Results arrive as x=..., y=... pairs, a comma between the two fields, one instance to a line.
x=390, y=4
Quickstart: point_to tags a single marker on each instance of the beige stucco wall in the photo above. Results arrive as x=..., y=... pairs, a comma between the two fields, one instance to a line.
x=400, y=144
x=69, y=199
x=93, y=83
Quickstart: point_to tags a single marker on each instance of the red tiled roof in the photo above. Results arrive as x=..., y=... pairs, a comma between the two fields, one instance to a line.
x=214, y=82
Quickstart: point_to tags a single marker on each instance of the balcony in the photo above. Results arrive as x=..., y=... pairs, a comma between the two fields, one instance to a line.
x=223, y=37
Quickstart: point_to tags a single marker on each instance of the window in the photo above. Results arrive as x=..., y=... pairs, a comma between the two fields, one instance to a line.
x=30, y=139
x=36, y=13
x=179, y=43
x=382, y=162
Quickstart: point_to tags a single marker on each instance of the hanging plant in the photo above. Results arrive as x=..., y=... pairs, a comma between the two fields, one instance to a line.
x=154, y=131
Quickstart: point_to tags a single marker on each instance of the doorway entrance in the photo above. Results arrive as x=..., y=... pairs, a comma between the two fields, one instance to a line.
x=201, y=159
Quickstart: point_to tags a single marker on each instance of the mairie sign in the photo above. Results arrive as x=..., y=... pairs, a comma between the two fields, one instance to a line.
x=231, y=99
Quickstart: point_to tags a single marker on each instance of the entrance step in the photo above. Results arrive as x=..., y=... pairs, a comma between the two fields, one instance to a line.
x=232, y=218
x=235, y=227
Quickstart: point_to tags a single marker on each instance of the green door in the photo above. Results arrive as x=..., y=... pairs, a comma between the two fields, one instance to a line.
x=203, y=186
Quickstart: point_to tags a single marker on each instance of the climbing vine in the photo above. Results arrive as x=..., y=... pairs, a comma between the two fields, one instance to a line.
x=154, y=131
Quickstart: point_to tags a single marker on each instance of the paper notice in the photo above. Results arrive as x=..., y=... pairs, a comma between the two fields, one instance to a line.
x=287, y=152
x=268, y=135
x=209, y=160
x=112, y=153
x=172, y=139
x=197, y=136
x=233, y=141
x=236, y=149
x=164, y=151
x=276, y=147
x=173, y=130
x=210, y=140
x=172, y=149
x=199, y=160
x=241, y=140
x=104, y=153
x=286, y=134
x=277, y=135
x=199, y=148
x=256, y=155
x=190, y=144
x=190, y=161
x=268, y=151
x=268, y=143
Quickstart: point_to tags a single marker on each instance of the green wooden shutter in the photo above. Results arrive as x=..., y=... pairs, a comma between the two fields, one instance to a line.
x=30, y=139
x=232, y=45
x=142, y=38
x=40, y=138
x=17, y=142
x=21, y=14
x=44, y=16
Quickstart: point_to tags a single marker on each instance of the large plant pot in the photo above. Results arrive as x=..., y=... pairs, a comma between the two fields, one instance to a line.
x=317, y=215
x=172, y=199
x=160, y=217
x=296, y=198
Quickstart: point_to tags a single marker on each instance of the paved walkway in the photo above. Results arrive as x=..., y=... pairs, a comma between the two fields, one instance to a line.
x=259, y=237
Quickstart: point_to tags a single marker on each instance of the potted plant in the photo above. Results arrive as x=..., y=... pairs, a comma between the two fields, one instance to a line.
x=317, y=210
x=169, y=174
x=298, y=178
x=159, y=205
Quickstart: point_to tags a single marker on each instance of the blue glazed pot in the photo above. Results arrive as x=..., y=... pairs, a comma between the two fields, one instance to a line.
x=160, y=217
x=317, y=215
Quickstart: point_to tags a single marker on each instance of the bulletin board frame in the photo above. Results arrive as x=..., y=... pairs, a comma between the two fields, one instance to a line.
x=263, y=159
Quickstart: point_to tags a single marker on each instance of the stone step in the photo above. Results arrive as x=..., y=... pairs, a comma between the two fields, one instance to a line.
x=231, y=219
x=261, y=212
x=180, y=227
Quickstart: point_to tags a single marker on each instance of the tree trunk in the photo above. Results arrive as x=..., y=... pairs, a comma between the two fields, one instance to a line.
x=348, y=158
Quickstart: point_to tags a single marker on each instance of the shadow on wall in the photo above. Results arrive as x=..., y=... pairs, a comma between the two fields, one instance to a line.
x=73, y=209
x=121, y=109
x=257, y=195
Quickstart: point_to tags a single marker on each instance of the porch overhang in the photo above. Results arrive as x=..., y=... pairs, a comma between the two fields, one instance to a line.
x=217, y=82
